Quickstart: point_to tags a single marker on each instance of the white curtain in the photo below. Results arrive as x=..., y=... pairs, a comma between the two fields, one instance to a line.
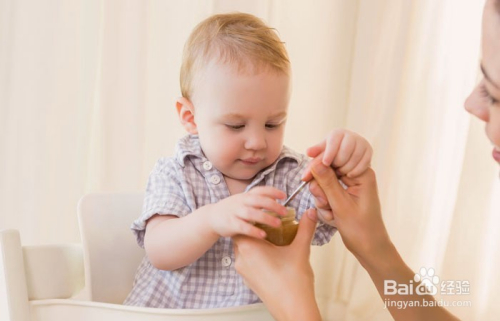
x=87, y=92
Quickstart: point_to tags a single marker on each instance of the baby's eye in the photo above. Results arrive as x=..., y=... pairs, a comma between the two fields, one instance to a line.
x=272, y=126
x=235, y=127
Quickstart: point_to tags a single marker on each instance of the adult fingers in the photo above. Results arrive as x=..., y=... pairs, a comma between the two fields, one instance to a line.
x=335, y=193
x=327, y=180
x=363, y=186
x=241, y=243
x=307, y=227
x=319, y=195
x=236, y=240
x=326, y=216
x=306, y=175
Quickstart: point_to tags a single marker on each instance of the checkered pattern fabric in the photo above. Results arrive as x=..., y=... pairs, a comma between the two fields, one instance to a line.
x=178, y=186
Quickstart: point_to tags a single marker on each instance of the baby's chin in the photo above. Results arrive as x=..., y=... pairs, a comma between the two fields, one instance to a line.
x=243, y=178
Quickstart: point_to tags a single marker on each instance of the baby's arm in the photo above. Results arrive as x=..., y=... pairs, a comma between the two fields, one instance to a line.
x=173, y=242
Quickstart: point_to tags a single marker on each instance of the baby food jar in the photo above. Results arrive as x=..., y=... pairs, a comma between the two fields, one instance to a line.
x=284, y=234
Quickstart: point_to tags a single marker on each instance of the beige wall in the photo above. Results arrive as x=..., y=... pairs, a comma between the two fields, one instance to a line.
x=87, y=91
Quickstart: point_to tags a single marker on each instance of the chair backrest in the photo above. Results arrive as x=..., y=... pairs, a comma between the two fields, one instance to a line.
x=111, y=254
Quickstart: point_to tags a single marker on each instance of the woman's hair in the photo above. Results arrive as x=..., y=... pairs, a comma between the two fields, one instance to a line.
x=497, y=6
x=240, y=39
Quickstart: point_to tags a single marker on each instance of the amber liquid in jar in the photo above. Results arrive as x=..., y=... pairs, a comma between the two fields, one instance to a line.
x=284, y=234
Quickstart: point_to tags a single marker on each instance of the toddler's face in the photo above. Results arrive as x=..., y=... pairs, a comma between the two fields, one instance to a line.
x=240, y=118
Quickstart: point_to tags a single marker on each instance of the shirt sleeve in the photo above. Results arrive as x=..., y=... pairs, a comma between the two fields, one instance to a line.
x=164, y=195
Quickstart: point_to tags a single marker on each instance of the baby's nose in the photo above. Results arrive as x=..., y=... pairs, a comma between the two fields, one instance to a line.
x=256, y=141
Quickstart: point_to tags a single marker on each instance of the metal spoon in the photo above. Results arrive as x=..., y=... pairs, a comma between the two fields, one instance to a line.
x=297, y=190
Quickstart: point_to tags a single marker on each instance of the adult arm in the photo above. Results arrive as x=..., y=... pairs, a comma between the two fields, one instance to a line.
x=288, y=289
x=358, y=218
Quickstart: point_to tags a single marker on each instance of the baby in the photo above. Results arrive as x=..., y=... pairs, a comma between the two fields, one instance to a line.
x=235, y=82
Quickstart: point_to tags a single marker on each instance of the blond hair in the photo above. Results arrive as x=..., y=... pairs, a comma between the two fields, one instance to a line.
x=235, y=38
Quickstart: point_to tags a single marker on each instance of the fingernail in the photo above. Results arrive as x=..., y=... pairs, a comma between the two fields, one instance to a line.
x=319, y=168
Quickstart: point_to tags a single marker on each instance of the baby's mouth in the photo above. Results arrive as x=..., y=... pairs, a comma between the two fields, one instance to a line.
x=251, y=161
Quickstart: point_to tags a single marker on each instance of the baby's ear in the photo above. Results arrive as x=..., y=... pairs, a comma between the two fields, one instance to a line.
x=185, y=110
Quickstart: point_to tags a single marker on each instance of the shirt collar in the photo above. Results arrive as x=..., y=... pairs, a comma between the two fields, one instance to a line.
x=189, y=146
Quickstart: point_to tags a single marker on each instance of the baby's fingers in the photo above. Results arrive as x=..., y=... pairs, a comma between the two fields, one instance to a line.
x=263, y=202
x=363, y=164
x=345, y=151
x=258, y=216
x=355, y=159
x=334, y=142
x=268, y=191
x=245, y=228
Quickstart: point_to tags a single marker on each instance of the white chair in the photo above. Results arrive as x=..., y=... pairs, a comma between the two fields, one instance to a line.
x=88, y=281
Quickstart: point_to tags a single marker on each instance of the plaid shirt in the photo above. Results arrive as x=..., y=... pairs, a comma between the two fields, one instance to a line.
x=178, y=186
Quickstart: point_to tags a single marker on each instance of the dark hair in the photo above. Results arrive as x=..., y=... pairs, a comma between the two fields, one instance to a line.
x=497, y=6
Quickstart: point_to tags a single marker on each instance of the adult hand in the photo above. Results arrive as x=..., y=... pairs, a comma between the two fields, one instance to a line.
x=356, y=211
x=281, y=275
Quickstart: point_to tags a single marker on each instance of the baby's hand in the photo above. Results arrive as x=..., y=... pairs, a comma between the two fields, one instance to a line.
x=237, y=213
x=347, y=152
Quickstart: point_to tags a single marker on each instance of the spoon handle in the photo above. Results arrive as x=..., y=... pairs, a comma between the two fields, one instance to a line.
x=294, y=193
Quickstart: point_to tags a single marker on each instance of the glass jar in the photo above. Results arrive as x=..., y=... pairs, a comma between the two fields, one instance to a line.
x=284, y=234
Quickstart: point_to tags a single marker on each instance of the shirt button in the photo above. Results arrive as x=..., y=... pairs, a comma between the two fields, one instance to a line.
x=226, y=261
x=215, y=179
x=207, y=165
